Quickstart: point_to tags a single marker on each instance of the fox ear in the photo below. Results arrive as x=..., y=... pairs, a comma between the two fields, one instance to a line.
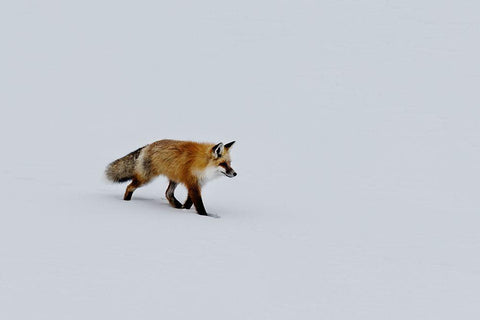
x=217, y=150
x=228, y=145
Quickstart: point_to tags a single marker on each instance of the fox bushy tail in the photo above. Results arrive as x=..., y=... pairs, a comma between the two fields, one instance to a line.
x=123, y=169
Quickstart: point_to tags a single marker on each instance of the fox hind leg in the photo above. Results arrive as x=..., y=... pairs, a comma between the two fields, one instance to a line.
x=171, y=196
x=188, y=203
x=136, y=183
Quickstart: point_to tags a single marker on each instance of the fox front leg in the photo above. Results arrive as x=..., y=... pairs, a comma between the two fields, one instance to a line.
x=195, y=194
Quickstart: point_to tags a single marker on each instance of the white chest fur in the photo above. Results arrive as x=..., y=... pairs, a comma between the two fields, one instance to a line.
x=208, y=174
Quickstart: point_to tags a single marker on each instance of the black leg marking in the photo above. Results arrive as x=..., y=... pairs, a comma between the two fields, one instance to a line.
x=195, y=195
x=130, y=188
x=188, y=203
x=170, y=195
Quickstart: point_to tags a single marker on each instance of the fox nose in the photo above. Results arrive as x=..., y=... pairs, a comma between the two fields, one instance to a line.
x=234, y=174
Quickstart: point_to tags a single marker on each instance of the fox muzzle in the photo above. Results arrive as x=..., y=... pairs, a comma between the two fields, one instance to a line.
x=230, y=173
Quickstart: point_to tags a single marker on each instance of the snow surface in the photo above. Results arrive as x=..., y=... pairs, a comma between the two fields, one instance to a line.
x=358, y=159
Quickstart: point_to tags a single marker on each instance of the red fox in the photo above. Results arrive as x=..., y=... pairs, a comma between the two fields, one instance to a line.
x=190, y=163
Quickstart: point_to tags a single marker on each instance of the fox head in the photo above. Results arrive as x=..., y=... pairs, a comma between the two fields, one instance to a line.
x=221, y=159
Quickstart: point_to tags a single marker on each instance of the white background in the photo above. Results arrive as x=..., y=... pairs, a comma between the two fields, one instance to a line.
x=358, y=154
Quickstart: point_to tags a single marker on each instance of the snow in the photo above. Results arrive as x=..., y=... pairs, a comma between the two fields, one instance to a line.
x=357, y=153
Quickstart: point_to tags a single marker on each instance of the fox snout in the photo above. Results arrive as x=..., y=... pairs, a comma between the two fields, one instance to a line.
x=230, y=173
x=225, y=168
